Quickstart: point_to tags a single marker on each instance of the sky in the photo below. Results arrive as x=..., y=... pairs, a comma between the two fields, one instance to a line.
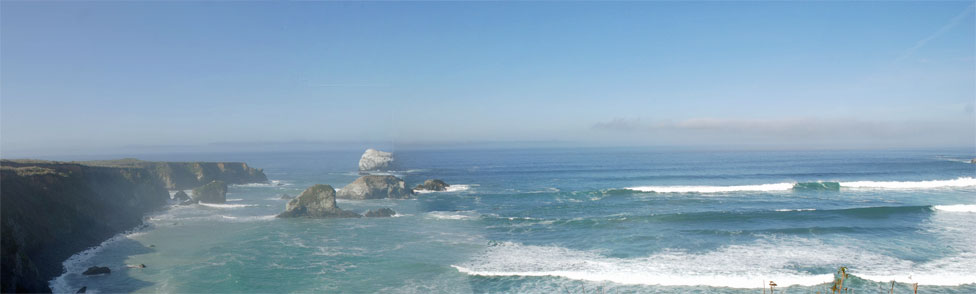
x=86, y=77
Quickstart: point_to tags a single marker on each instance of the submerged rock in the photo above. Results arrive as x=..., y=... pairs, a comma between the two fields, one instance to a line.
x=82, y=290
x=375, y=187
x=214, y=192
x=432, y=185
x=97, y=270
x=375, y=160
x=382, y=212
x=181, y=196
x=317, y=201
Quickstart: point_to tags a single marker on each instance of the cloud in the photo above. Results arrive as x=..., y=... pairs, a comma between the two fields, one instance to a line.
x=953, y=22
x=836, y=132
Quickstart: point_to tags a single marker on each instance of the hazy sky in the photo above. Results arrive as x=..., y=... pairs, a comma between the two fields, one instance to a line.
x=88, y=76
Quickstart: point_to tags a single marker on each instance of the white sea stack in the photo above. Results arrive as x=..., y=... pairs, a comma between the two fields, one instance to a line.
x=375, y=160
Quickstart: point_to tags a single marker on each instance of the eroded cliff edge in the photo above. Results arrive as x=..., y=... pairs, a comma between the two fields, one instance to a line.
x=188, y=175
x=52, y=210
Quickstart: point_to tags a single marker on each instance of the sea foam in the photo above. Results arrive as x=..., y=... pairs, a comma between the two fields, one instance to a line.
x=956, y=208
x=782, y=187
x=735, y=266
x=451, y=188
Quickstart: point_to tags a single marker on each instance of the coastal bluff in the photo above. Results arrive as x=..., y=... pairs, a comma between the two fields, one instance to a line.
x=189, y=175
x=51, y=210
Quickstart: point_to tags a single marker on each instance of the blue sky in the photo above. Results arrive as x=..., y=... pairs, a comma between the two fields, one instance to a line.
x=94, y=76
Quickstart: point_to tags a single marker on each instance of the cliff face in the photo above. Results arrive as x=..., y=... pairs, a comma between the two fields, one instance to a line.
x=51, y=210
x=188, y=175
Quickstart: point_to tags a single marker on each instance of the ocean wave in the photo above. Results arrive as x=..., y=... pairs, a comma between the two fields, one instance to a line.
x=956, y=208
x=271, y=183
x=715, y=189
x=454, y=215
x=234, y=199
x=451, y=188
x=813, y=186
x=797, y=209
x=216, y=205
x=734, y=266
x=909, y=185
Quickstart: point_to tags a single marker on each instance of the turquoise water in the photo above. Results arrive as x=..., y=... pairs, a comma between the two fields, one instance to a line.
x=571, y=220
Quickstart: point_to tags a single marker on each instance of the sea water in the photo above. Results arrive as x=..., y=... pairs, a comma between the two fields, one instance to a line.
x=570, y=220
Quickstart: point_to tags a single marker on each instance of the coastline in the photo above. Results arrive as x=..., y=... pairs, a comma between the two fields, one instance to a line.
x=54, y=210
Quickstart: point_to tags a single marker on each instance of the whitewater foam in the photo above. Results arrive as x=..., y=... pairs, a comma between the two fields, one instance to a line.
x=777, y=187
x=907, y=185
x=451, y=188
x=216, y=205
x=454, y=215
x=735, y=266
x=956, y=208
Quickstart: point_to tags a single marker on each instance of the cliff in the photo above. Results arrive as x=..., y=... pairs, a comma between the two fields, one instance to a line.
x=189, y=175
x=51, y=210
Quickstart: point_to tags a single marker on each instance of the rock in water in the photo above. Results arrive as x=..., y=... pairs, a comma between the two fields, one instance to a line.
x=375, y=160
x=285, y=197
x=973, y=161
x=97, y=270
x=375, y=187
x=382, y=212
x=181, y=196
x=317, y=201
x=82, y=290
x=432, y=185
x=214, y=192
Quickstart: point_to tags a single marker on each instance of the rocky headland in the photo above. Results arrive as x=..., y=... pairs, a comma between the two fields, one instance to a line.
x=189, y=175
x=52, y=210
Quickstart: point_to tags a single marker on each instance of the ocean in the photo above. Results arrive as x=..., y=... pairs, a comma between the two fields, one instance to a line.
x=564, y=220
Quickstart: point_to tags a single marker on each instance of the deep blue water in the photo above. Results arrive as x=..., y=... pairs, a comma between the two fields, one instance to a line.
x=571, y=220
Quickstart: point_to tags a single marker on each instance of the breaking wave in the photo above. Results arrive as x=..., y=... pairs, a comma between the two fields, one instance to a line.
x=788, y=261
x=451, y=188
x=813, y=186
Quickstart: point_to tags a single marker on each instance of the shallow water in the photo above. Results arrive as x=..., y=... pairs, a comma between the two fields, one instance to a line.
x=571, y=220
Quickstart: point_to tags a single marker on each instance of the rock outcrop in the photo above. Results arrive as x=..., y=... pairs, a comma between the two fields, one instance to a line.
x=51, y=210
x=375, y=160
x=189, y=175
x=181, y=196
x=97, y=270
x=214, y=192
x=382, y=212
x=432, y=185
x=317, y=201
x=375, y=187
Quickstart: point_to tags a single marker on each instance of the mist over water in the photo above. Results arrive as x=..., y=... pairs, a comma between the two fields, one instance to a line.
x=557, y=220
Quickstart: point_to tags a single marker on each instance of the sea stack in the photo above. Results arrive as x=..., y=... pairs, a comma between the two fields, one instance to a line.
x=181, y=196
x=214, y=192
x=375, y=160
x=432, y=185
x=375, y=187
x=382, y=212
x=317, y=201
